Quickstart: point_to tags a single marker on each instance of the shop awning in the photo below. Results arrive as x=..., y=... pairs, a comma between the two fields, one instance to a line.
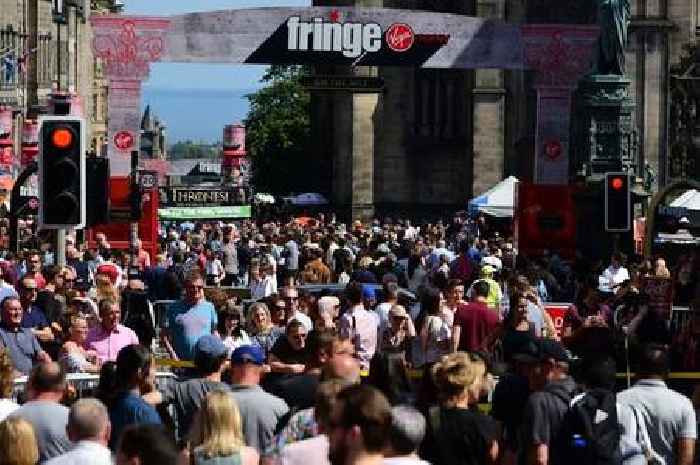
x=204, y=213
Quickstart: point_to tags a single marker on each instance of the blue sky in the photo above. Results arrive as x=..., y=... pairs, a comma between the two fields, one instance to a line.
x=195, y=101
x=202, y=76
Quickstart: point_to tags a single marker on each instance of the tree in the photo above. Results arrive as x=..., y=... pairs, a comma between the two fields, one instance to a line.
x=278, y=132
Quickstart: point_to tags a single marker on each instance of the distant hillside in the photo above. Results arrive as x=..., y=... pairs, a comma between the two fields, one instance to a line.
x=195, y=114
x=192, y=149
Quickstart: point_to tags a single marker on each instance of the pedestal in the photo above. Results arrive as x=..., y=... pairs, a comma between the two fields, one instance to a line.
x=605, y=138
x=127, y=47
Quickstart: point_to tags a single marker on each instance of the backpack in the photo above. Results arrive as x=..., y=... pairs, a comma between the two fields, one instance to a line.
x=590, y=432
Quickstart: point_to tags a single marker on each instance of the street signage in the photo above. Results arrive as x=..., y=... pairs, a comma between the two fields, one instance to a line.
x=344, y=83
x=148, y=179
x=201, y=213
x=200, y=196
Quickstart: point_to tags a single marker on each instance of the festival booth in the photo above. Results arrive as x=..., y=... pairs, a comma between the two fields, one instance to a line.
x=498, y=202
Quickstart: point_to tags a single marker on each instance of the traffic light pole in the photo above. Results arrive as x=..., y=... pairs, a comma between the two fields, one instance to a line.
x=60, y=247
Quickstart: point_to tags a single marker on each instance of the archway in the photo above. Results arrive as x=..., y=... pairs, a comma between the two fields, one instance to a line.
x=347, y=38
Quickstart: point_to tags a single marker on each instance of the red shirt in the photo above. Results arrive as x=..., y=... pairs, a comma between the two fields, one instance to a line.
x=477, y=322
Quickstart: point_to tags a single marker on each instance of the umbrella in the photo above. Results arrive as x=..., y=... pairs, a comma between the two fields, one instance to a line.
x=309, y=198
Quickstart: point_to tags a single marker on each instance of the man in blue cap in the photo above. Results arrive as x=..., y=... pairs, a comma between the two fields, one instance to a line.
x=210, y=360
x=369, y=296
x=260, y=411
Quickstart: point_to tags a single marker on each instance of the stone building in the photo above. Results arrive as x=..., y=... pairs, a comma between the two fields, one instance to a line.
x=33, y=47
x=438, y=137
x=153, y=139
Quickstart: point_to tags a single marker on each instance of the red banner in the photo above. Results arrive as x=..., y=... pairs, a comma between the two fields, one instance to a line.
x=558, y=313
x=545, y=219
x=5, y=127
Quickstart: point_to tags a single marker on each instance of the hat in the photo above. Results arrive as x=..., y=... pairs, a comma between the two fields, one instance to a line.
x=248, y=354
x=487, y=269
x=209, y=346
x=368, y=292
x=327, y=304
x=549, y=348
x=537, y=351
x=397, y=311
x=527, y=352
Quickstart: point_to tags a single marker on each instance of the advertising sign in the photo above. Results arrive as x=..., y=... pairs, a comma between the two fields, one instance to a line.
x=344, y=36
x=5, y=127
x=197, y=196
x=558, y=313
x=202, y=213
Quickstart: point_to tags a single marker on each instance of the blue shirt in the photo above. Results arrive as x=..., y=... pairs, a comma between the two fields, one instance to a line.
x=187, y=324
x=130, y=409
x=34, y=318
x=23, y=347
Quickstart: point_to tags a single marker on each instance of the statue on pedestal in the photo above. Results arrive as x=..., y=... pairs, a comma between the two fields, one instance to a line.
x=613, y=20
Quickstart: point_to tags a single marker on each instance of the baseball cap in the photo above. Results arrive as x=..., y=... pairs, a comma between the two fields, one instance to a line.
x=527, y=352
x=487, y=269
x=397, y=311
x=209, y=346
x=369, y=292
x=549, y=348
x=248, y=354
x=537, y=351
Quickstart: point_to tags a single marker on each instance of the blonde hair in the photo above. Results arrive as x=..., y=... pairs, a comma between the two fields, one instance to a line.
x=453, y=375
x=217, y=429
x=7, y=370
x=251, y=322
x=104, y=289
x=18, y=444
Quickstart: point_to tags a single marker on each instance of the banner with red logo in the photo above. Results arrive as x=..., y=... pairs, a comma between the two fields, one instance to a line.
x=30, y=141
x=5, y=127
x=344, y=36
x=545, y=219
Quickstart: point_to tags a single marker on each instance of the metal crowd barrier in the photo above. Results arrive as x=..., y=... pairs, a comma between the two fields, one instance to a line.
x=85, y=384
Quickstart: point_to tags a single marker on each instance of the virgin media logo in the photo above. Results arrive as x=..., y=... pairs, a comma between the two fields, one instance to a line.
x=400, y=37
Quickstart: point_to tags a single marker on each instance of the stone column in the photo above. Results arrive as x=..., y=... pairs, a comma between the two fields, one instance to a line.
x=127, y=46
x=560, y=54
x=488, y=115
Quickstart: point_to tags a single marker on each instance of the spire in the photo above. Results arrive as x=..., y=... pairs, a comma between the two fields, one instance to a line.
x=147, y=121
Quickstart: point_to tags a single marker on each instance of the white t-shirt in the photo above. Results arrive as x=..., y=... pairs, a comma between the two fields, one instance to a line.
x=7, y=406
x=612, y=277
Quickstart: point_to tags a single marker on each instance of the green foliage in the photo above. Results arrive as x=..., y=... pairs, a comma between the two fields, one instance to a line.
x=190, y=149
x=278, y=132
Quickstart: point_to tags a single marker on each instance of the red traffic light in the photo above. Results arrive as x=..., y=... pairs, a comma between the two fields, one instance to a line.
x=617, y=183
x=61, y=138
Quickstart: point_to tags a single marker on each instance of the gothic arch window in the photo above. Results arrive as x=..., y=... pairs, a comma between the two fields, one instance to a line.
x=439, y=105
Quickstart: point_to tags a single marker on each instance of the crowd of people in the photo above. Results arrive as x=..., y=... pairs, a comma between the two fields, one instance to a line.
x=319, y=342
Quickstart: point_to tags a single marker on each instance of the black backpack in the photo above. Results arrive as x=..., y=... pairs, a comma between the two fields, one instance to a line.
x=590, y=432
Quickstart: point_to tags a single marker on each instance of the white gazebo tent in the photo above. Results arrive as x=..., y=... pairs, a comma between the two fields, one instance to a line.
x=690, y=199
x=499, y=201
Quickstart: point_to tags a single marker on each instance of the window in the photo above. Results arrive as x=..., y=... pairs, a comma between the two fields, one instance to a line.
x=440, y=105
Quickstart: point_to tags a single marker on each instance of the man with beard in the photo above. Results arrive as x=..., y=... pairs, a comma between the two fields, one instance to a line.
x=359, y=427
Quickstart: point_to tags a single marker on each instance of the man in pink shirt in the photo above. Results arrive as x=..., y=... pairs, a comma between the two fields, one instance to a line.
x=109, y=337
